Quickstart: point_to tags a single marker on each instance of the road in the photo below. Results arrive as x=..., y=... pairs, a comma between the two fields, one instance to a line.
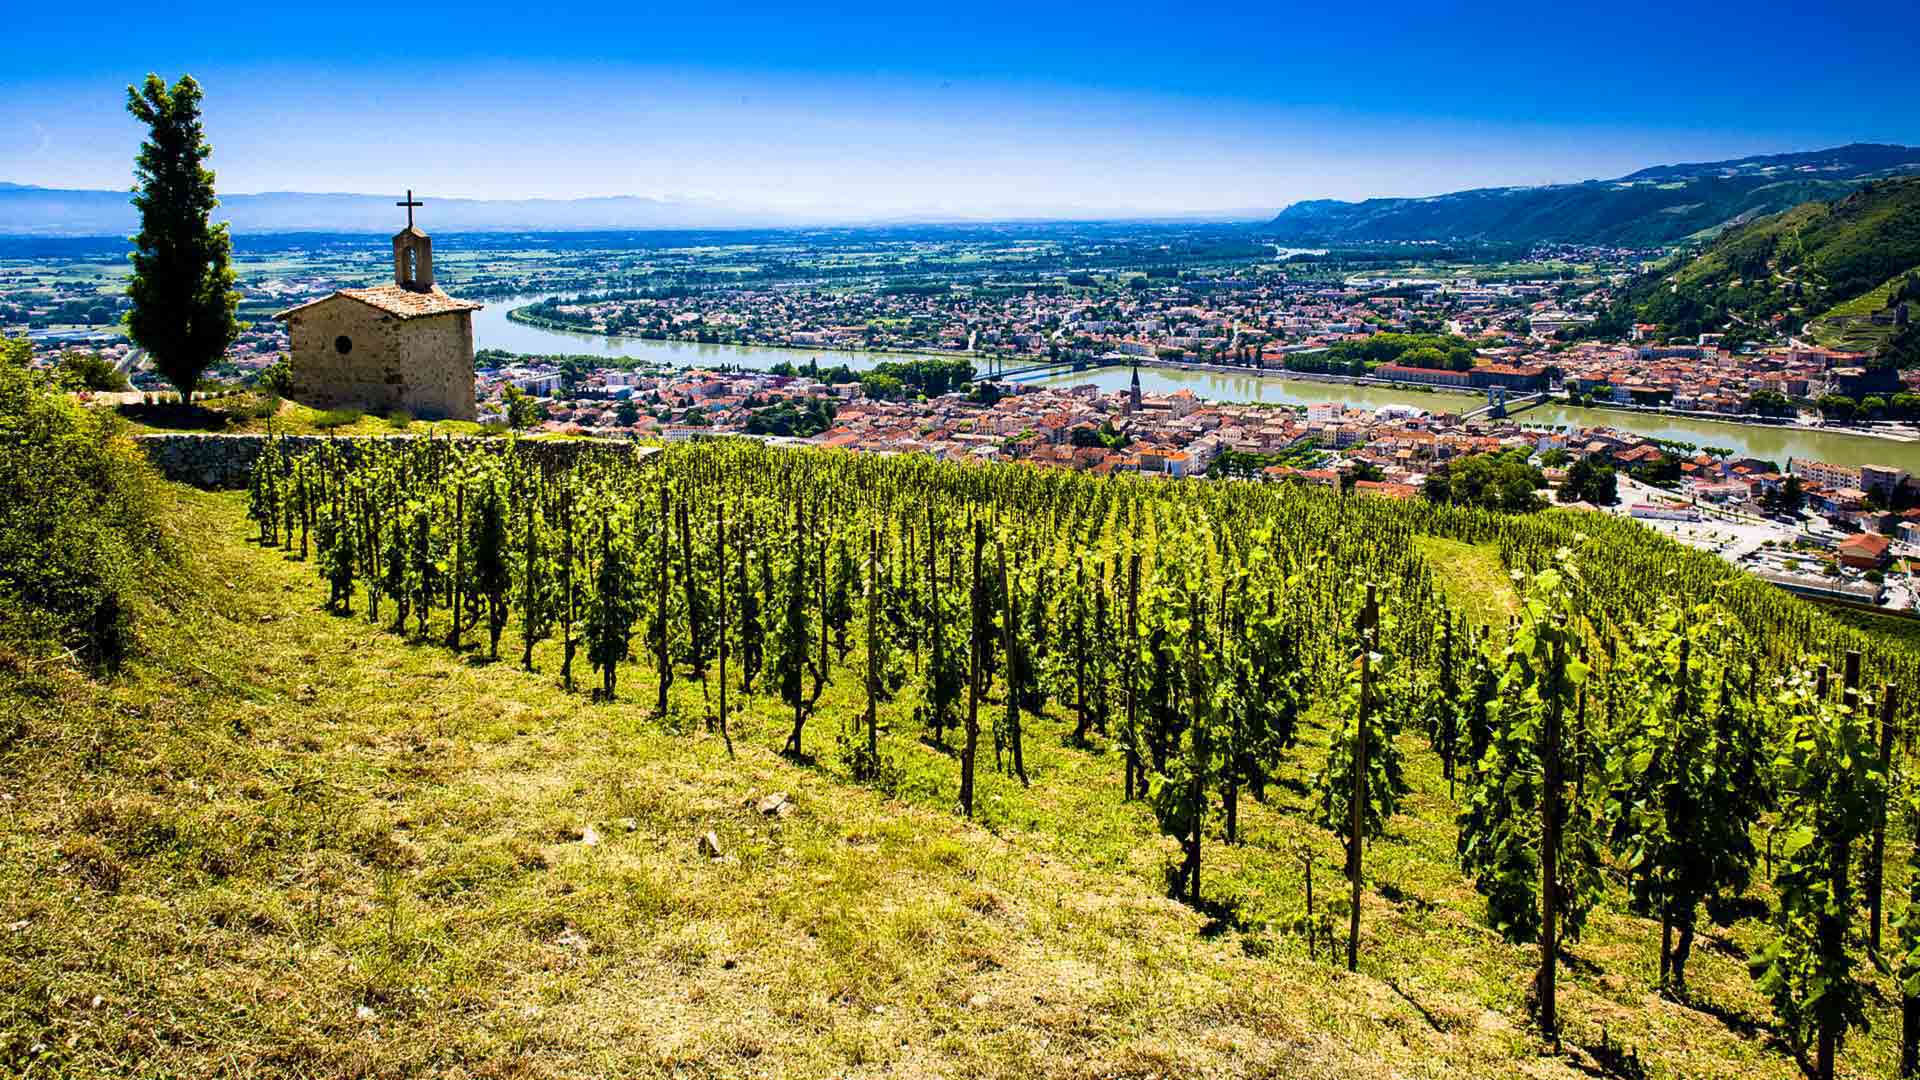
x=1743, y=539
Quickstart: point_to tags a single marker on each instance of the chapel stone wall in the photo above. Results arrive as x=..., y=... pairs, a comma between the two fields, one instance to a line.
x=422, y=365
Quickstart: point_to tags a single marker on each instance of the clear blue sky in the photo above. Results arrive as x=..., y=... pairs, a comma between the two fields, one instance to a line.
x=974, y=108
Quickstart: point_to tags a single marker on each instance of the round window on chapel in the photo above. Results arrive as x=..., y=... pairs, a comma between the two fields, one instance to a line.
x=343, y=344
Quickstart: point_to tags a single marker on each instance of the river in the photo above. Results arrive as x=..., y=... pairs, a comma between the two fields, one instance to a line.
x=492, y=329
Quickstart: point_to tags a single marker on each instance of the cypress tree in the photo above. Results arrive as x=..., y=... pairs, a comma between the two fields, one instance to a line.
x=182, y=283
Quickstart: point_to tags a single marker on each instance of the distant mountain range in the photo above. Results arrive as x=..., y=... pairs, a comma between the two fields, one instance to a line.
x=1655, y=206
x=1649, y=208
x=28, y=211
x=36, y=211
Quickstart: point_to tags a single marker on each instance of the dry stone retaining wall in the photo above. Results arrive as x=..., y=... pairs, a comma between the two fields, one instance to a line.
x=226, y=461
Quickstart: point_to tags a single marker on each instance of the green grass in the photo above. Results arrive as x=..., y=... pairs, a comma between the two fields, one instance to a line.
x=1874, y=300
x=338, y=419
x=290, y=843
x=1847, y=325
x=1472, y=579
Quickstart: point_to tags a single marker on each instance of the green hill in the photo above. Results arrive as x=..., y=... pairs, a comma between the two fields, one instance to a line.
x=1650, y=208
x=1831, y=267
x=287, y=841
x=310, y=780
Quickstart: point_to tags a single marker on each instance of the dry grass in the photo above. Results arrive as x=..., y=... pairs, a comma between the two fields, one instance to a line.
x=291, y=844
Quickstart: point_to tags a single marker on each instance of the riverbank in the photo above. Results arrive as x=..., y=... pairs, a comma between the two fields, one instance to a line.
x=1892, y=433
x=1305, y=376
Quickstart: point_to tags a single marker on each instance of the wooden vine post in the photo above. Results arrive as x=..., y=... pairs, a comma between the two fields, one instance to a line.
x=975, y=668
x=1196, y=784
x=454, y=582
x=826, y=658
x=1008, y=645
x=933, y=620
x=1910, y=1002
x=529, y=551
x=720, y=556
x=1236, y=739
x=369, y=551
x=1369, y=621
x=873, y=652
x=1580, y=763
x=696, y=640
x=1550, y=839
x=1081, y=717
x=1133, y=681
x=1680, y=708
x=661, y=659
x=1449, y=736
x=1876, y=868
x=749, y=649
x=1831, y=925
x=609, y=672
x=568, y=643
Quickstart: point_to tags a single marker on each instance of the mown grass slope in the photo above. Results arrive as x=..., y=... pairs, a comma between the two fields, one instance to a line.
x=289, y=843
x=253, y=413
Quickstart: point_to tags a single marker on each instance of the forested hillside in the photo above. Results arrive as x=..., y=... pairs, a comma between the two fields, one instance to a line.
x=1650, y=208
x=1828, y=267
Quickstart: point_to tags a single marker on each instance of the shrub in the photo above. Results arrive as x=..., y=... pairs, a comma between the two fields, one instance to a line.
x=89, y=371
x=260, y=407
x=399, y=419
x=276, y=379
x=78, y=521
x=337, y=418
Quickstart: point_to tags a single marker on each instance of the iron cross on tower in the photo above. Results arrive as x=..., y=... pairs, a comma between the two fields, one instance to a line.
x=409, y=203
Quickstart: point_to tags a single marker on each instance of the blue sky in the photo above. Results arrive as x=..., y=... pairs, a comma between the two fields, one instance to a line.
x=966, y=109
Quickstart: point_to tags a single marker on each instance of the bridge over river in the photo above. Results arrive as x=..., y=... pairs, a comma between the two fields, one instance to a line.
x=1499, y=406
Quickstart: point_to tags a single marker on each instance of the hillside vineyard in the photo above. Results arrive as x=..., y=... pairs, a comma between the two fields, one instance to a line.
x=1650, y=719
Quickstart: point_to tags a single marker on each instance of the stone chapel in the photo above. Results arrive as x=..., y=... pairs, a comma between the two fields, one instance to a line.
x=405, y=346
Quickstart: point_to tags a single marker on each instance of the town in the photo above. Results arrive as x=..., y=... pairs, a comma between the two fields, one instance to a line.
x=1537, y=325
x=875, y=345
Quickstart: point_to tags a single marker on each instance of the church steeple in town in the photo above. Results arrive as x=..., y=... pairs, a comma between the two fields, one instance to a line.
x=1133, y=394
x=412, y=253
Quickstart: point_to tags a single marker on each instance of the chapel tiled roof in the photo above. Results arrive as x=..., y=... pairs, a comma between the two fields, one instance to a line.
x=396, y=300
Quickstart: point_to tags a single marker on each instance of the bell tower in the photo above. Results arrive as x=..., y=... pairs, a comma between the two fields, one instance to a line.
x=412, y=253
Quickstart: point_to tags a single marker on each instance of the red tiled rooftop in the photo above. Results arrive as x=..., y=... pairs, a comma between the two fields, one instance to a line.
x=395, y=300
